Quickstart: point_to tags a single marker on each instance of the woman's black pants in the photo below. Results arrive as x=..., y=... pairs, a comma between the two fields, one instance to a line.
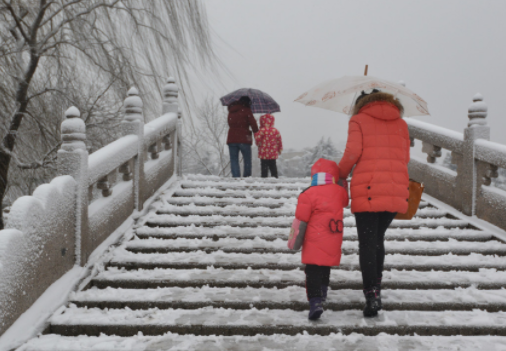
x=316, y=276
x=371, y=228
x=266, y=165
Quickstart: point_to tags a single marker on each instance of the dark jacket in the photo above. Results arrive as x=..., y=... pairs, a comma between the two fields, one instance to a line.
x=240, y=119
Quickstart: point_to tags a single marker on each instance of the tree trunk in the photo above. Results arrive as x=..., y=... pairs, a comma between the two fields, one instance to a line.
x=9, y=141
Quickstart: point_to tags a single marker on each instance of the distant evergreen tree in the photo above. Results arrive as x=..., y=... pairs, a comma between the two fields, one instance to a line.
x=323, y=149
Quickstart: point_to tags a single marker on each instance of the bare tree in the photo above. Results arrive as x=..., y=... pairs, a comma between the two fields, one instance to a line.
x=204, y=144
x=57, y=53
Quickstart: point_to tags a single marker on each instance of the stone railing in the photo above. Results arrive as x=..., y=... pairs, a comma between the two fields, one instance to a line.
x=476, y=158
x=61, y=224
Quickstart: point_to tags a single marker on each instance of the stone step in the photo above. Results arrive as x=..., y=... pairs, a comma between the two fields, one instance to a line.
x=271, y=234
x=243, y=194
x=284, y=222
x=214, y=179
x=487, y=279
x=237, y=210
x=246, y=187
x=278, y=342
x=293, y=298
x=218, y=321
x=257, y=245
x=224, y=201
x=201, y=260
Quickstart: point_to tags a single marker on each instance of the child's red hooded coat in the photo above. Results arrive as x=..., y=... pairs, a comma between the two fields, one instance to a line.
x=322, y=208
x=268, y=139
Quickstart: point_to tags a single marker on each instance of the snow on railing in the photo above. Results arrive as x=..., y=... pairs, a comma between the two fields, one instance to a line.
x=476, y=158
x=63, y=222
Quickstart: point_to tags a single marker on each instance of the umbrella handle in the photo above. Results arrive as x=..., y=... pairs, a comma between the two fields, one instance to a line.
x=365, y=72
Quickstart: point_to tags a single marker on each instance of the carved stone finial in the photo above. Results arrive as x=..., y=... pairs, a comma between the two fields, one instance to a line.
x=73, y=131
x=133, y=106
x=477, y=112
x=170, y=94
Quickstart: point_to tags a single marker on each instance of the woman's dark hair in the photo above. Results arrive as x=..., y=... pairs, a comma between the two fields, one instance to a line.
x=245, y=101
x=364, y=94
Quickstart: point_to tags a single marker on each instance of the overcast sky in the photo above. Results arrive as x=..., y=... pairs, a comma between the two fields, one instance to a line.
x=446, y=51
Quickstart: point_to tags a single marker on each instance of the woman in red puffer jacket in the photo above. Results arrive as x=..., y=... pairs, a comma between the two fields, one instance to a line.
x=320, y=210
x=378, y=146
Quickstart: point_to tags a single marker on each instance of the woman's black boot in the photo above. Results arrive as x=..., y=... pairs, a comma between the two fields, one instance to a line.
x=372, y=303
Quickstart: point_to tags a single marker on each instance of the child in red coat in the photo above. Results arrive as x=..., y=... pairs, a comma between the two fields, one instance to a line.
x=269, y=144
x=320, y=210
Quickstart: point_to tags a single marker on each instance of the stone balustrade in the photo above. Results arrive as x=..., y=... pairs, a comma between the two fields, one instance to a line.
x=63, y=222
x=477, y=160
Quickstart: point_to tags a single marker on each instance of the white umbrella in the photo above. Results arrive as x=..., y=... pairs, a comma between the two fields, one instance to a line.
x=340, y=94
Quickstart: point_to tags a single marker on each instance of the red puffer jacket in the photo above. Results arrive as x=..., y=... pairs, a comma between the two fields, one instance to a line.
x=378, y=143
x=321, y=207
x=268, y=139
x=240, y=119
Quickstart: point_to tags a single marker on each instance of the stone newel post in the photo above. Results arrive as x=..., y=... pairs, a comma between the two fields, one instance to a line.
x=73, y=161
x=170, y=94
x=133, y=123
x=170, y=104
x=477, y=128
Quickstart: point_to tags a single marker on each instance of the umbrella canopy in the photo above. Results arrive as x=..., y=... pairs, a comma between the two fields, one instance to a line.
x=340, y=94
x=260, y=102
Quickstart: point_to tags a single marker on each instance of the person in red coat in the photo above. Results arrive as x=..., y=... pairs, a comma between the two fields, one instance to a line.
x=239, y=139
x=378, y=146
x=269, y=144
x=320, y=210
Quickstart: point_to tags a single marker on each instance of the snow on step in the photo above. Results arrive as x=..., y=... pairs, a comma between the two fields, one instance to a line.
x=253, y=194
x=245, y=186
x=268, y=321
x=248, y=180
x=473, y=261
x=468, y=296
x=301, y=342
x=279, y=245
x=224, y=201
x=260, y=211
x=286, y=222
x=141, y=278
x=350, y=233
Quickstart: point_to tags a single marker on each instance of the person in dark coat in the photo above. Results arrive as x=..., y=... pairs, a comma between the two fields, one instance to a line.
x=240, y=120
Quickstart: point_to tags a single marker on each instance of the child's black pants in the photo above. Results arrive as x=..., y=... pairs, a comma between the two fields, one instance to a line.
x=316, y=276
x=371, y=228
x=267, y=165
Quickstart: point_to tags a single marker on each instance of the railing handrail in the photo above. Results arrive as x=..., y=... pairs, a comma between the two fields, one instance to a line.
x=439, y=136
x=490, y=152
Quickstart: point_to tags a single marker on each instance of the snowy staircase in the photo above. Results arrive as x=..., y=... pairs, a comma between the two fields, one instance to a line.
x=208, y=269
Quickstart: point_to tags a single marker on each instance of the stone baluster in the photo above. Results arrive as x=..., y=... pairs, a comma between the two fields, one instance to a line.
x=432, y=151
x=155, y=150
x=167, y=145
x=490, y=172
x=73, y=161
x=170, y=95
x=477, y=128
x=104, y=185
x=126, y=170
x=133, y=123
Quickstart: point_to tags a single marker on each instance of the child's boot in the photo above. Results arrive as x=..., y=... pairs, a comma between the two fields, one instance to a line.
x=325, y=289
x=372, y=303
x=315, y=308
